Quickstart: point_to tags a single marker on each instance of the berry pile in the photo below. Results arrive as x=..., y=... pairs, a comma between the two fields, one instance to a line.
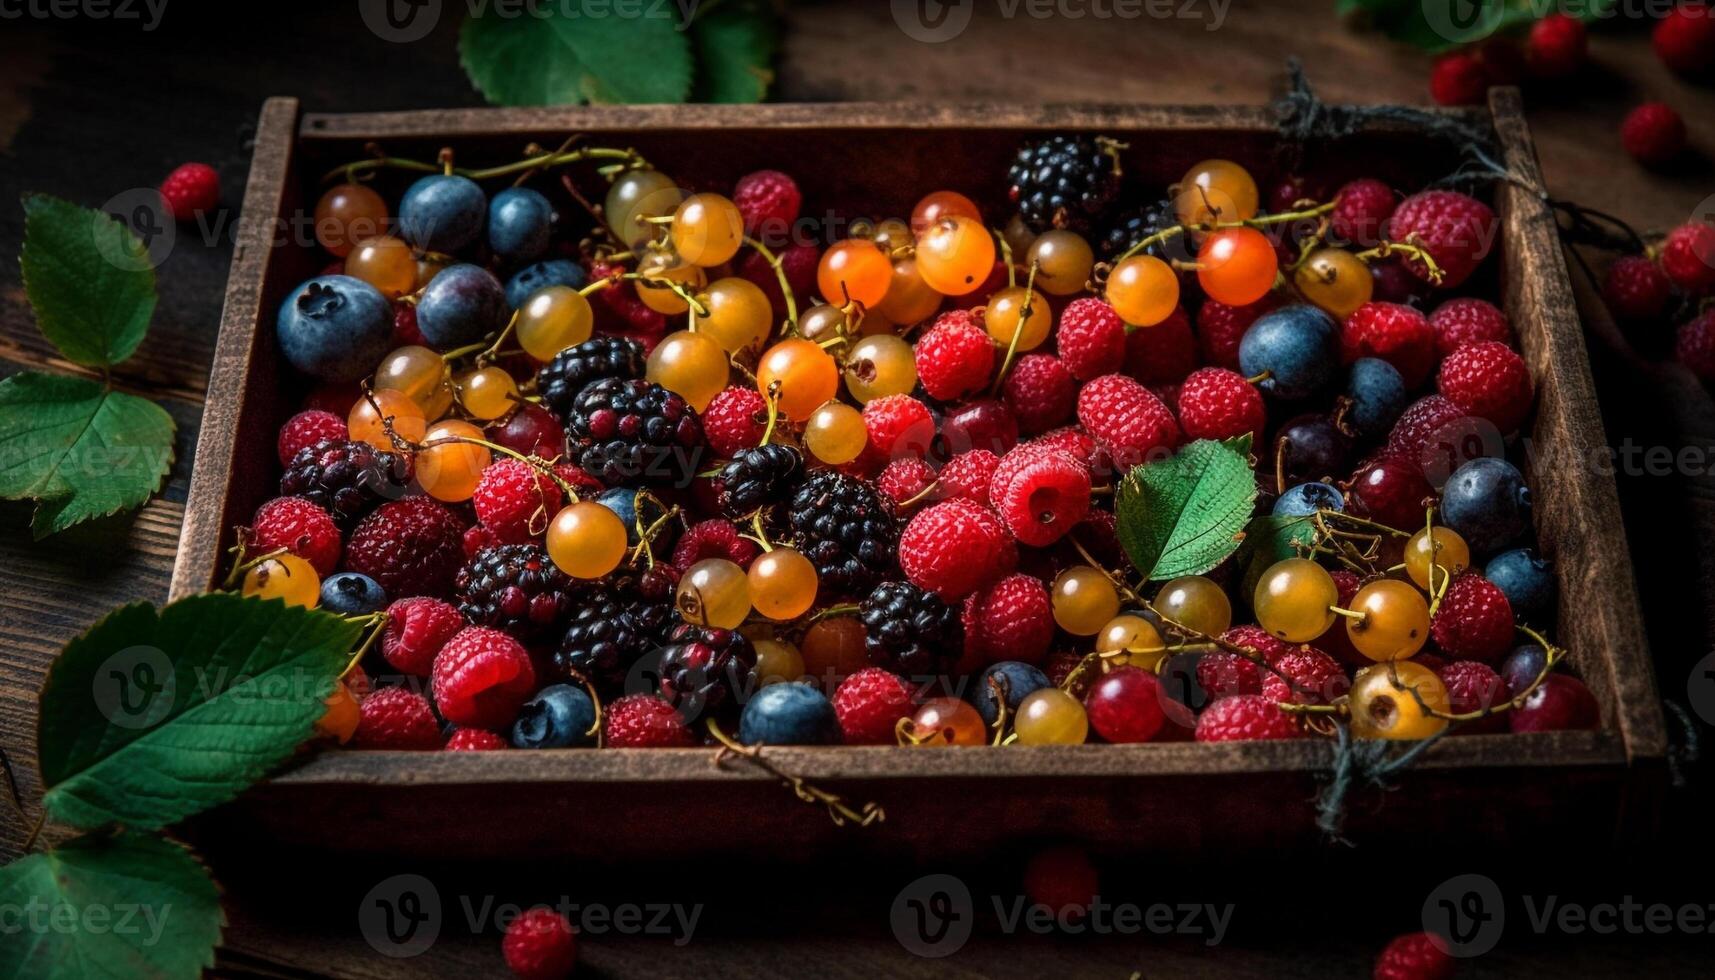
x=1672, y=282
x=652, y=483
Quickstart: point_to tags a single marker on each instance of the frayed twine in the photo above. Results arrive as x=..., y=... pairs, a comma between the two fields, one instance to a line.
x=1361, y=763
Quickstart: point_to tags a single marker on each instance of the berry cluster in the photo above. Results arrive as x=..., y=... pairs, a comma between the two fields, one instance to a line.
x=1672, y=282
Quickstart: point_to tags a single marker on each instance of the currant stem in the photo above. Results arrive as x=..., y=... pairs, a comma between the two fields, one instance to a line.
x=1407, y=248
x=838, y=810
x=1024, y=312
x=791, y=324
x=537, y=162
x=1285, y=217
x=671, y=286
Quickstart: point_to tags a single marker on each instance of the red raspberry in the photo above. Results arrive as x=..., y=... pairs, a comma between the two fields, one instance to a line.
x=515, y=500
x=1421, y=421
x=1488, y=380
x=869, y=705
x=1098, y=534
x=300, y=527
x=1685, y=38
x=416, y=629
x=412, y=546
x=1304, y=675
x=190, y=189
x=1474, y=620
x=1474, y=686
x=1467, y=320
x=1636, y=290
x=903, y=479
x=1414, y=956
x=769, y=201
x=306, y=429
x=1224, y=675
x=954, y=548
x=1252, y=637
x=898, y=426
x=1043, y=498
x=1361, y=210
x=1010, y=620
x=1071, y=440
x=1556, y=47
x=1164, y=353
x=1337, y=641
x=1060, y=665
x=476, y=538
x=1688, y=257
x=955, y=357
x=540, y=945
x=1243, y=717
x=396, y=718
x=1040, y=392
x=405, y=329
x=481, y=678
x=797, y=262
x=1090, y=338
x=1458, y=79
x=1216, y=403
x=1126, y=419
x=474, y=740
x=1457, y=231
x=735, y=420
x=1399, y=335
x=1220, y=328
x=1694, y=345
x=713, y=538
x=644, y=721
x=969, y=475
x=1653, y=133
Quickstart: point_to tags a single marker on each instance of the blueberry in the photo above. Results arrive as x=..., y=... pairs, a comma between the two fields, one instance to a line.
x=335, y=328
x=1487, y=502
x=442, y=212
x=1521, y=666
x=1527, y=580
x=541, y=275
x=623, y=502
x=558, y=717
x=1308, y=498
x=788, y=714
x=352, y=594
x=1020, y=679
x=461, y=305
x=519, y=220
x=1378, y=396
x=1298, y=347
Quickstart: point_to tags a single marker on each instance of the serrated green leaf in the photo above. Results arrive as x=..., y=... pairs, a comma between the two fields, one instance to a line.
x=80, y=450
x=559, y=55
x=149, y=718
x=1183, y=515
x=735, y=45
x=88, y=282
x=1437, y=27
x=124, y=905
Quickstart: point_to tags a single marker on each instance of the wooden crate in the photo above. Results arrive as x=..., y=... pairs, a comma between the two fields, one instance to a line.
x=876, y=160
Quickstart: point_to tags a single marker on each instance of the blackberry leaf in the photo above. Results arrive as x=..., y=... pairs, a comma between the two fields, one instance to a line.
x=1184, y=515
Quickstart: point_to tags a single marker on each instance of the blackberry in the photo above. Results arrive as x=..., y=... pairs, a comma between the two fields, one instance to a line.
x=629, y=432
x=1128, y=227
x=560, y=380
x=759, y=476
x=911, y=631
x=846, y=530
x=1062, y=182
x=706, y=672
x=347, y=479
x=516, y=588
x=615, y=624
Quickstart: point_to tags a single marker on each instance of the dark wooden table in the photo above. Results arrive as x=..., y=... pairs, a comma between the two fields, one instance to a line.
x=90, y=109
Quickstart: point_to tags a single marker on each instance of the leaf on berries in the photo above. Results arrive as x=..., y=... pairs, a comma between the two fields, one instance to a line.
x=553, y=56
x=1436, y=27
x=153, y=716
x=79, y=449
x=127, y=904
x=1184, y=515
x=88, y=279
x=735, y=44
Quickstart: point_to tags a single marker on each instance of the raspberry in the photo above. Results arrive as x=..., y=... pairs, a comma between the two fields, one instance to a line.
x=1694, y=346
x=1215, y=403
x=1488, y=380
x=1361, y=210
x=344, y=478
x=1337, y=641
x=1399, y=335
x=769, y=201
x=1458, y=79
x=632, y=432
x=759, y=476
x=704, y=670
x=307, y=428
x=1474, y=686
x=395, y=718
x=1070, y=440
x=1010, y=620
x=405, y=330
x=644, y=721
x=1126, y=419
x=1414, y=956
x=1060, y=665
x=1098, y=534
x=1474, y=620
x=474, y=740
x=1042, y=498
x=1457, y=231
x=615, y=623
x=514, y=500
x=1467, y=320
x=1062, y=182
x=1090, y=338
x=1260, y=640
x=1653, y=133
x=1304, y=675
x=1220, y=328
x=846, y=530
x=476, y=538
x=481, y=677
x=416, y=629
x=869, y=705
x=1164, y=353
x=904, y=479
x=540, y=945
x=191, y=189
x=1040, y=392
x=1243, y=717
x=1556, y=47
x=561, y=380
x=713, y=538
x=1688, y=257
x=410, y=547
x=735, y=420
x=797, y=262
x=300, y=527
x=898, y=426
x=515, y=588
x=1685, y=38
x=955, y=547
x=910, y=631
x=969, y=475
x=1636, y=290
x=1224, y=675
x=1419, y=423
x=955, y=357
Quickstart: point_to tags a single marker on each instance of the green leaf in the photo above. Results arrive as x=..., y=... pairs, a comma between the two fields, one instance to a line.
x=149, y=718
x=88, y=279
x=556, y=54
x=126, y=905
x=736, y=44
x=1183, y=515
x=79, y=449
x=1437, y=27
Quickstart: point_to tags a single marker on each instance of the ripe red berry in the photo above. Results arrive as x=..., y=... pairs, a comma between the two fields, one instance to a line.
x=1398, y=334
x=473, y=740
x=869, y=705
x=1164, y=353
x=1488, y=380
x=904, y=479
x=1457, y=231
x=1694, y=345
x=306, y=429
x=300, y=527
x=190, y=189
x=396, y=718
x=405, y=329
x=1474, y=620
x=769, y=201
x=955, y=357
x=1414, y=956
x=416, y=629
x=1010, y=620
x=1127, y=419
x=1224, y=675
x=1042, y=498
x=481, y=677
x=1361, y=210
x=956, y=547
x=1560, y=703
x=1458, y=79
x=735, y=420
x=1685, y=38
x=1215, y=403
x=1125, y=705
x=1220, y=328
x=969, y=475
x=1557, y=46
x=540, y=945
x=713, y=538
x=1304, y=675
x=644, y=721
x=413, y=546
x=1636, y=290
x=1090, y=338
x=1244, y=717
x=1391, y=489
x=1474, y=686
x=797, y=263
x=1653, y=133
x=1040, y=391
x=1420, y=423
x=515, y=500
x=1688, y=257
x=899, y=426
x=1467, y=320
x=531, y=430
